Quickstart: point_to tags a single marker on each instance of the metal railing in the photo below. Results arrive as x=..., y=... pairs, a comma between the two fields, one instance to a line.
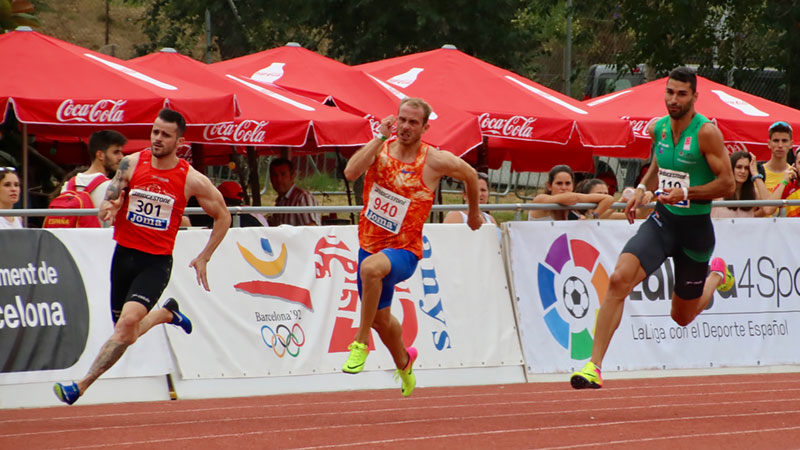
x=516, y=207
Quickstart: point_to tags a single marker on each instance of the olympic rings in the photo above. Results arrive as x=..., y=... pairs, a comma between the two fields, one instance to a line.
x=295, y=337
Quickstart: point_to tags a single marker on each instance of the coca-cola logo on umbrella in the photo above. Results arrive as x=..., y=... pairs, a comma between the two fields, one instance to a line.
x=520, y=127
x=640, y=126
x=246, y=132
x=101, y=111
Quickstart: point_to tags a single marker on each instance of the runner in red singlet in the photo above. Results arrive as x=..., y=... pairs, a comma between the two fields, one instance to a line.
x=145, y=200
x=402, y=174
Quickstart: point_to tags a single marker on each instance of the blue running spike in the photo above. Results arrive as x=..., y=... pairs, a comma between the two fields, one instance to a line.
x=178, y=318
x=67, y=393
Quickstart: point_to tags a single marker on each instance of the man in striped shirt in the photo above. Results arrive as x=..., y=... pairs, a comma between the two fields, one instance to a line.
x=282, y=175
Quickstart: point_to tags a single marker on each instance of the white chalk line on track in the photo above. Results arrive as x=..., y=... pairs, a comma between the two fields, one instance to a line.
x=737, y=390
x=424, y=420
x=681, y=436
x=405, y=438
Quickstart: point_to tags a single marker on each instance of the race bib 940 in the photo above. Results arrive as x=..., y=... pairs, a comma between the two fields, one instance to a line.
x=674, y=179
x=387, y=209
x=149, y=209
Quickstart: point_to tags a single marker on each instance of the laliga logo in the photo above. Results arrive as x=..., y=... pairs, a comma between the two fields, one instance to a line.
x=514, y=127
x=562, y=287
x=103, y=111
x=246, y=132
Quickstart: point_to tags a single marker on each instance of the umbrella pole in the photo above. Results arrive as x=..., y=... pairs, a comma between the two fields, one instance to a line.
x=346, y=186
x=252, y=162
x=25, y=171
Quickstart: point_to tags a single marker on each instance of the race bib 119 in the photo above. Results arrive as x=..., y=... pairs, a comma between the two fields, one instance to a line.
x=674, y=179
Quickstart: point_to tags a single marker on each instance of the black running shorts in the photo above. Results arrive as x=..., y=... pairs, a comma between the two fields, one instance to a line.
x=689, y=240
x=137, y=276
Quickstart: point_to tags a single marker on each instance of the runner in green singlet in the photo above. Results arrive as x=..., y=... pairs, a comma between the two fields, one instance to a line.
x=690, y=166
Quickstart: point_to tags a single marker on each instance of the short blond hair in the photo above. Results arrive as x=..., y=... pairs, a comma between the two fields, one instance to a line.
x=418, y=103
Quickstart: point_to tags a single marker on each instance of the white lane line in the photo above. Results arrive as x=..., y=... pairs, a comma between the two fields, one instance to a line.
x=516, y=395
x=417, y=421
x=406, y=438
x=681, y=436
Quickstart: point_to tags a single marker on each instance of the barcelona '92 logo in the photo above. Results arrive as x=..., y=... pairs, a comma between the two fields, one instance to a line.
x=572, y=283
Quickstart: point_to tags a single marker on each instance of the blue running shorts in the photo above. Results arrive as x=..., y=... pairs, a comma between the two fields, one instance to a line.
x=403, y=262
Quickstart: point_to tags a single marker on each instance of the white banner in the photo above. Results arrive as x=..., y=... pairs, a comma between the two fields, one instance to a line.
x=55, y=309
x=560, y=272
x=284, y=302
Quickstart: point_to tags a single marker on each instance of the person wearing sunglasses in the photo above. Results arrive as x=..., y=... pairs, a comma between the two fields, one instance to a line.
x=9, y=194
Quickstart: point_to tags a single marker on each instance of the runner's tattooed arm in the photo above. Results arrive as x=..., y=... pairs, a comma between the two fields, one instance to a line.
x=116, y=189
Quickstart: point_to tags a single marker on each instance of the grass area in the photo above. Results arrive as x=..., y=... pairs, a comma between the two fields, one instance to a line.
x=83, y=23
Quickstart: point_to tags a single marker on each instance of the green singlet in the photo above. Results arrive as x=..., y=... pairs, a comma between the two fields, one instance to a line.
x=682, y=164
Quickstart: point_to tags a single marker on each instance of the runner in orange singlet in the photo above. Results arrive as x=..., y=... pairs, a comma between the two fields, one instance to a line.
x=145, y=201
x=402, y=175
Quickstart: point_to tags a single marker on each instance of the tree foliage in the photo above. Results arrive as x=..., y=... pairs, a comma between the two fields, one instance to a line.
x=524, y=36
x=351, y=31
x=14, y=13
x=721, y=34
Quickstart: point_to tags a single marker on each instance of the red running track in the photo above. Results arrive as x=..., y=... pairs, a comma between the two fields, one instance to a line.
x=730, y=412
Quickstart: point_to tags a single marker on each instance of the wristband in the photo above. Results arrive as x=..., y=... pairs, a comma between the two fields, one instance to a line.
x=642, y=187
x=755, y=177
x=381, y=137
x=784, y=182
x=685, y=192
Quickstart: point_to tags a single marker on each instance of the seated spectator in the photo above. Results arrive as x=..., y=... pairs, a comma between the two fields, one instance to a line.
x=232, y=193
x=483, y=198
x=598, y=186
x=9, y=195
x=789, y=189
x=749, y=186
x=559, y=189
x=282, y=176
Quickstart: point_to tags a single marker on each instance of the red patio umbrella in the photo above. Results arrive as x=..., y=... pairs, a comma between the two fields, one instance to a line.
x=270, y=116
x=326, y=80
x=532, y=126
x=743, y=119
x=57, y=88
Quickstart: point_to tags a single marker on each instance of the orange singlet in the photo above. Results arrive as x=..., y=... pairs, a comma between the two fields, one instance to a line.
x=396, y=203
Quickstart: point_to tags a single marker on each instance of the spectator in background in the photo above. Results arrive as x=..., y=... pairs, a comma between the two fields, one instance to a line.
x=282, y=176
x=9, y=194
x=780, y=145
x=483, y=198
x=749, y=186
x=559, y=189
x=232, y=193
x=598, y=186
x=105, y=151
x=788, y=189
